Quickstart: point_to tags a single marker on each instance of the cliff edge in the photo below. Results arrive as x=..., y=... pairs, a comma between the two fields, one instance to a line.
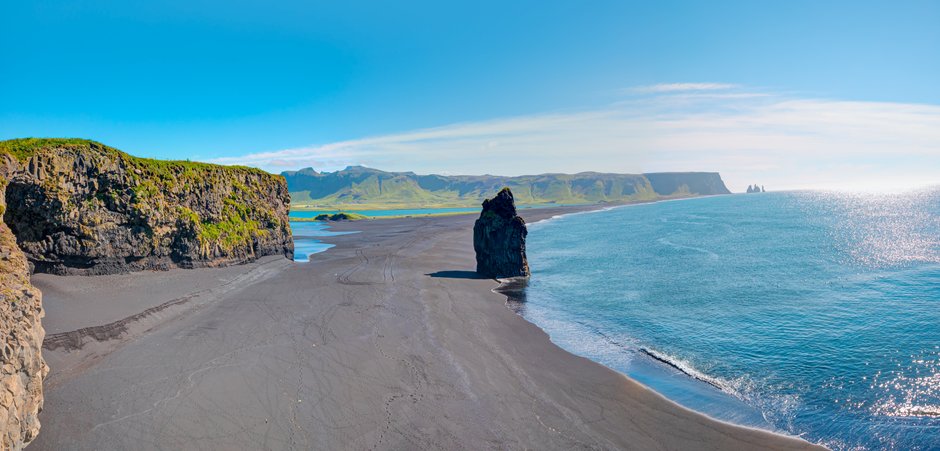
x=80, y=207
x=499, y=238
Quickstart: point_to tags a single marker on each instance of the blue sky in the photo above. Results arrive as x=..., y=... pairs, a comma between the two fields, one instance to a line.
x=333, y=83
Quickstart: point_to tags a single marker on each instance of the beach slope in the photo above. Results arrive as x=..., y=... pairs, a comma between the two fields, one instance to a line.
x=386, y=341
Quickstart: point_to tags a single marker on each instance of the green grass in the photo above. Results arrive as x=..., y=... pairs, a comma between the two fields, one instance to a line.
x=24, y=148
x=555, y=193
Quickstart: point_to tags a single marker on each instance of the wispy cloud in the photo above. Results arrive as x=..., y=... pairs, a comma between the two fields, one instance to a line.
x=750, y=137
x=680, y=87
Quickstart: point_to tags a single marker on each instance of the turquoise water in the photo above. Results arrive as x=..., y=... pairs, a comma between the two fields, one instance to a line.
x=307, y=239
x=384, y=213
x=404, y=212
x=813, y=314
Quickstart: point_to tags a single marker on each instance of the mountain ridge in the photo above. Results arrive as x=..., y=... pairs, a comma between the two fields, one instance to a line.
x=364, y=187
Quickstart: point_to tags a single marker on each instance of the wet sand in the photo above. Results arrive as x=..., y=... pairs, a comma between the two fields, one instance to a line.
x=386, y=341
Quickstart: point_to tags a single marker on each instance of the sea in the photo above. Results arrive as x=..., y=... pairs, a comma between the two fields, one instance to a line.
x=814, y=314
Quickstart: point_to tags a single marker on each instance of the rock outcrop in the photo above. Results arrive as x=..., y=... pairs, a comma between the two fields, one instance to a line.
x=22, y=368
x=80, y=207
x=499, y=238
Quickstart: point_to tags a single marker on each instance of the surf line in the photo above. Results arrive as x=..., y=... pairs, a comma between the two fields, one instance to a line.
x=665, y=360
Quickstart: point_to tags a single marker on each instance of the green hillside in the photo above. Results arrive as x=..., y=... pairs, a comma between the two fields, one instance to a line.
x=361, y=188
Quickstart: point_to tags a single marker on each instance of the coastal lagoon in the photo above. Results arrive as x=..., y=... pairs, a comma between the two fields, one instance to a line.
x=409, y=211
x=386, y=213
x=814, y=314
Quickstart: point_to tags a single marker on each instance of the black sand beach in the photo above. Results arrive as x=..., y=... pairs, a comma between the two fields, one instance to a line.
x=386, y=341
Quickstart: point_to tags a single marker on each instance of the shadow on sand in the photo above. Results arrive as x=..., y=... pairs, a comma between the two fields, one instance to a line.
x=457, y=275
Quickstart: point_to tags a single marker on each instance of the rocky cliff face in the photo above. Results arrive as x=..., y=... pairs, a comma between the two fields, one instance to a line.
x=80, y=207
x=499, y=238
x=686, y=183
x=22, y=368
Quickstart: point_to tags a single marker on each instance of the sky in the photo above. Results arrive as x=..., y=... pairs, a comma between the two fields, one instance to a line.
x=792, y=95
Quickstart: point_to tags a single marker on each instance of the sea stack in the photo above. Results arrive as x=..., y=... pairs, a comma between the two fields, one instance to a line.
x=499, y=238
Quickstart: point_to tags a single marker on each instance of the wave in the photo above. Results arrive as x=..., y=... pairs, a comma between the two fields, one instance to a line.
x=613, y=207
x=707, y=252
x=673, y=362
x=689, y=370
x=563, y=215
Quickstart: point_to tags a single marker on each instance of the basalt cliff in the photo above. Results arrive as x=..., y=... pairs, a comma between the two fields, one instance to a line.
x=80, y=207
x=74, y=206
x=22, y=368
x=499, y=238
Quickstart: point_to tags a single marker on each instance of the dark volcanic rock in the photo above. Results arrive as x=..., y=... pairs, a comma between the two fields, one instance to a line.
x=80, y=207
x=499, y=238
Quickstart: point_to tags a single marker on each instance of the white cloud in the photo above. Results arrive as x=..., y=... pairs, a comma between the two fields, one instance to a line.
x=777, y=141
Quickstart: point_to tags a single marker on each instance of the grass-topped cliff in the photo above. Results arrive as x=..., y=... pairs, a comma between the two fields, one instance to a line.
x=358, y=187
x=77, y=205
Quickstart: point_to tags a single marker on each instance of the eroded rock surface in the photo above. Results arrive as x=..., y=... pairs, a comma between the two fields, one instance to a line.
x=22, y=368
x=499, y=238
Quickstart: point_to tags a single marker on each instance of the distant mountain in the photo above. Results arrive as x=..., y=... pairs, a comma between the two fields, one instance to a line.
x=359, y=186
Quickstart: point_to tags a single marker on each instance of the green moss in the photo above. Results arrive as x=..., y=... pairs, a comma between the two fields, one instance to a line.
x=235, y=227
x=187, y=215
x=229, y=233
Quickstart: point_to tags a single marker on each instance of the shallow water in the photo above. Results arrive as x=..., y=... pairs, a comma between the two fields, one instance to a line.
x=385, y=213
x=306, y=239
x=814, y=314
x=407, y=211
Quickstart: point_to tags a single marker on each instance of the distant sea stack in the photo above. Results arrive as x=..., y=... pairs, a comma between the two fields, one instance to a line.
x=499, y=238
x=80, y=207
x=755, y=189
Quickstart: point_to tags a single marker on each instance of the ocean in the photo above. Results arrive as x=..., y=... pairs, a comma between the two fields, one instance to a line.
x=815, y=314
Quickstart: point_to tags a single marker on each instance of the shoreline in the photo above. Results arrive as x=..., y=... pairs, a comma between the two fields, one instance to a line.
x=513, y=289
x=386, y=341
